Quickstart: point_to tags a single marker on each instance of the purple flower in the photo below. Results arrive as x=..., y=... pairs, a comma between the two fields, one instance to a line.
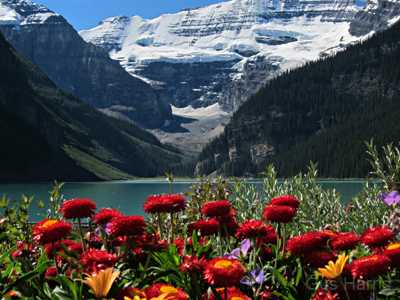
x=239, y=252
x=255, y=276
x=392, y=199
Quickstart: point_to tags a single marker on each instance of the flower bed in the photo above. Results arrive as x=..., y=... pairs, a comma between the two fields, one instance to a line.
x=225, y=242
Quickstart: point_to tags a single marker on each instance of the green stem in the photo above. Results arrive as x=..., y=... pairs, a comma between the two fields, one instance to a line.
x=255, y=253
x=196, y=286
x=339, y=279
x=284, y=241
x=160, y=226
x=55, y=258
x=172, y=227
x=146, y=265
x=82, y=236
x=127, y=247
x=226, y=293
x=277, y=247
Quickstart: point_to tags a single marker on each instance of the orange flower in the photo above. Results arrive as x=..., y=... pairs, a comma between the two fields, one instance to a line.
x=101, y=283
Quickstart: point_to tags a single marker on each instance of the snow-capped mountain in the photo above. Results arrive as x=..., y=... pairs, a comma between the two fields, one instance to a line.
x=224, y=52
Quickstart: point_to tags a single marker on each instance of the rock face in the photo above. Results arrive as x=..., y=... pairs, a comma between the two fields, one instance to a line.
x=223, y=53
x=79, y=67
x=375, y=16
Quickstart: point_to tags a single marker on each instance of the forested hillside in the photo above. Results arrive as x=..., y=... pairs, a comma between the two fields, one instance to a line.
x=322, y=112
x=47, y=134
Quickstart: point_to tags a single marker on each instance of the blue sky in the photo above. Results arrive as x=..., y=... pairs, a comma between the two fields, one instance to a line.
x=85, y=14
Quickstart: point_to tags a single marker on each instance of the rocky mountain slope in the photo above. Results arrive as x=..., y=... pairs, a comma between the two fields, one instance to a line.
x=47, y=134
x=79, y=67
x=332, y=108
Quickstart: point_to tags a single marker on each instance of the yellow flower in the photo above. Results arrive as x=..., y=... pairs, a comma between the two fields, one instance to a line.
x=334, y=269
x=164, y=297
x=101, y=283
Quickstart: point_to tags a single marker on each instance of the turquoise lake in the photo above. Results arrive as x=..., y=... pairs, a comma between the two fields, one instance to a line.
x=128, y=195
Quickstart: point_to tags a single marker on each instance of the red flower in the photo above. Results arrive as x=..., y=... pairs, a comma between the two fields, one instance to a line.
x=178, y=203
x=157, y=204
x=50, y=231
x=130, y=292
x=354, y=289
x=345, y=241
x=105, y=215
x=51, y=272
x=393, y=252
x=269, y=239
x=71, y=245
x=151, y=242
x=285, y=200
x=192, y=264
x=160, y=288
x=279, y=214
x=253, y=228
x=233, y=294
x=95, y=260
x=223, y=272
x=377, y=236
x=127, y=225
x=322, y=295
x=231, y=226
x=205, y=227
x=216, y=208
x=140, y=258
x=319, y=258
x=22, y=249
x=304, y=243
x=369, y=267
x=78, y=208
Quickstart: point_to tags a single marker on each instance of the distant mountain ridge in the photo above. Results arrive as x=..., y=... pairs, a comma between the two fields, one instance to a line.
x=224, y=52
x=78, y=67
x=332, y=107
x=47, y=134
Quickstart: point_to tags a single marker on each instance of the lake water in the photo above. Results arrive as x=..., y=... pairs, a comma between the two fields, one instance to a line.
x=128, y=195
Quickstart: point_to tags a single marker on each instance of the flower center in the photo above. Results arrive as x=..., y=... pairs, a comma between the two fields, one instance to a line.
x=169, y=290
x=370, y=258
x=236, y=298
x=224, y=264
x=393, y=246
x=49, y=223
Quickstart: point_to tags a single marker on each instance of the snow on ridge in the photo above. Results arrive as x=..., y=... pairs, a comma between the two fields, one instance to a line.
x=39, y=14
x=189, y=111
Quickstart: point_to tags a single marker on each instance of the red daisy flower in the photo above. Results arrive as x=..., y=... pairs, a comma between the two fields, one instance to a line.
x=105, y=215
x=51, y=272
x=377, y=236
x=319, y=258
x=370, y=266
x=327, y=235
x=233, y=294
x=322, y=295
x=131, y=293
x=22, y=250
x=95, y=260
x=393, y=252
x=50, y=231
x=279, y=214
x=151, y=242
x=266, y=252
x=253, y=228
x=223, y=272
x=227, y=217
x=205, y=227
x=269, y=239
x=304, y=243
x=68, y=244
x=78, y=208
x=157, y=204
x=192, y=264
x=158, y=289
x=285, y=200
x=345, y=241
x=178, y=203
x=140, y=258
x=216, y=208
x=127, y=225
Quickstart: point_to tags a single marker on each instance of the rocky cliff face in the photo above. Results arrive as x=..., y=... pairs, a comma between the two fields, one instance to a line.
x=375, y=16
x=79, y=67
x=223, y=53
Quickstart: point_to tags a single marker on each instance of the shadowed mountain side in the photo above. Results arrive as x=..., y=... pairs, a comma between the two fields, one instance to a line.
x=47, y=134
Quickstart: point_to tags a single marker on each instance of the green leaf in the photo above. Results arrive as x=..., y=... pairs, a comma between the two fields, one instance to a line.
x=280, y=278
